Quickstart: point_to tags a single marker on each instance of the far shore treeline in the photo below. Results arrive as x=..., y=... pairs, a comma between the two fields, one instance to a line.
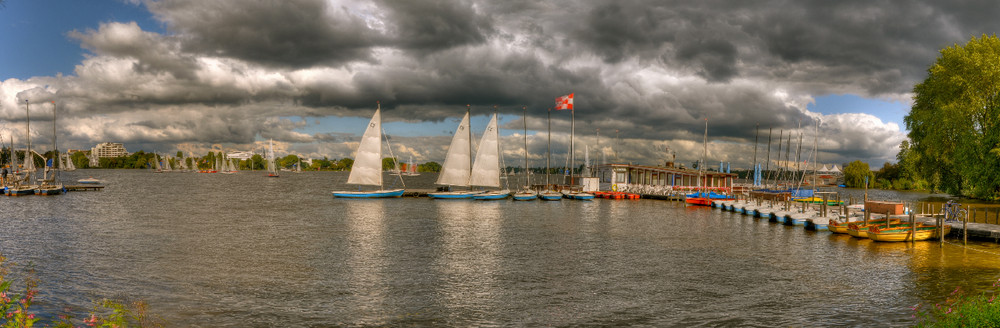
x=954, y=141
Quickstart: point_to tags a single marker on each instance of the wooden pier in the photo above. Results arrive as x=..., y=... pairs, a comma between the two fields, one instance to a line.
x=84, y=188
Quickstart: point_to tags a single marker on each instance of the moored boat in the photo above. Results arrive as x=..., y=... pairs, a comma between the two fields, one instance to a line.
x=367, y=167
x=836, y=226
x=550, y=195
x=921, y=232
x=525, y=195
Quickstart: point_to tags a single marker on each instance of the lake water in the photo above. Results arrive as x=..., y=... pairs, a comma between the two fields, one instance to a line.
x=244, y=250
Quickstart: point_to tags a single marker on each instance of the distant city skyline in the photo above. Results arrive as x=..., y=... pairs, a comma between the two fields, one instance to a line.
x=187, y=76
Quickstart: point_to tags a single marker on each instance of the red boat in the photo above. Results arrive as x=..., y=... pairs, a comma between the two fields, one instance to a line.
x=703, y=201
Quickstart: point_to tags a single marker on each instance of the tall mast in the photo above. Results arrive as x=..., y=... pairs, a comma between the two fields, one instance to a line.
x=55, y=154
x=767, y=165
x=753, y=168
x=548, y=152
x=572, y=151
x=781, y=137
x=527, y=171
x=798, y=153
x=27, y=133
x=704, y=157
x=816, y=159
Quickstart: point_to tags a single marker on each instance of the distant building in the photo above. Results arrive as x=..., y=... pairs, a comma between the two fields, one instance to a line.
x=241, y=155
x=106, y=150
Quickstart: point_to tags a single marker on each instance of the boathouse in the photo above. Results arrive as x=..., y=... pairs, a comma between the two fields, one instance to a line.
x=661, y=179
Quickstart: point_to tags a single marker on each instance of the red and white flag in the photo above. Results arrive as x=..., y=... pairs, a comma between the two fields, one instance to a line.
x=565, y=102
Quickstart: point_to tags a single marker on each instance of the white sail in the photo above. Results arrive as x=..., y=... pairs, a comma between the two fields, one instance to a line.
x=156, y=162
x=457, y=166
x=367, y=168
x=235, y=167
x=486, y=170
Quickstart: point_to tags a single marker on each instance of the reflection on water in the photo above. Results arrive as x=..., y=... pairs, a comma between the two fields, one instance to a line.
x=243, y=250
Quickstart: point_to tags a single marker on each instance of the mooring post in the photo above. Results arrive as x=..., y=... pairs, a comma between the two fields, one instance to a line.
x=913, y=226
x=965, y=228
x=940, y=221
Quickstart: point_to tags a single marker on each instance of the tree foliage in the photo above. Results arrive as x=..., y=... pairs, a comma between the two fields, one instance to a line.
x=855, y=173
x=955, y=121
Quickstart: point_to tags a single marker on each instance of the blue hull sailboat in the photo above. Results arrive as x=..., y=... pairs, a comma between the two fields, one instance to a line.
x=367, y=168
x=486, y=170
x=457, y=164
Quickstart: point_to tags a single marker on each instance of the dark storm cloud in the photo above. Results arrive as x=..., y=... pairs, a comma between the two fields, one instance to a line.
x=299, y=33
x=432, y=25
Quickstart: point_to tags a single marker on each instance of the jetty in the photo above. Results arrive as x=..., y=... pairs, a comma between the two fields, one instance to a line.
x=83, y=187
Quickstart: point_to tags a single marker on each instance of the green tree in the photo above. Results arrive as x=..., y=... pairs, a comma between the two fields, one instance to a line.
x=855, y=173
x=954, y=126
x=429, y=167
x=344, y=164
x=388, y=163
x=80, y=160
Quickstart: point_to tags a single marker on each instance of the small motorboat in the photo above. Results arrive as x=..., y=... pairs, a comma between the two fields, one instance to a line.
x=89, y=180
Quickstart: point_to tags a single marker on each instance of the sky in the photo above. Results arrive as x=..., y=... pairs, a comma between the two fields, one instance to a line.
x=196, y=76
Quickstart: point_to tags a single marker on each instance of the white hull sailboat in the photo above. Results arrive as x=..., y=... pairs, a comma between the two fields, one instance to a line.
x=367, y=167
x=457, y=164
x=272, y=167
x=486, y=170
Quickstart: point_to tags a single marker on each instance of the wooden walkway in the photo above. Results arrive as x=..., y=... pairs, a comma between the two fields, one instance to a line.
x=84, y=187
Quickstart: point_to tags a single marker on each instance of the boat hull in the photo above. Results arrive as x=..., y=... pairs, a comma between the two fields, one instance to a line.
x=19, y=191
x=369, y=194
x=579, y=196
x=525, y=196
x=903, y=234
x=550, y=196
x=50, y=191
x=491, y=196
x=699, y=201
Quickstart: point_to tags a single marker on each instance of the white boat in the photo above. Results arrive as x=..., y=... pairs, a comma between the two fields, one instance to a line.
x=486, y=169
x=367, y=167
x=156, y=164
x=68, y=163
x=457, y=164
x=298, y=166
x=89, y=180
x=272, y=167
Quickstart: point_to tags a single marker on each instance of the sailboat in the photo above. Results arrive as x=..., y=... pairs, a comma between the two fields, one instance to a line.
x=49, y=185
x=411, y=169
x=526, y=193
x=367, y=167
x=457, y=166
x=69, y=164
x=22, y=185
x=701, y=198
x=271, y=165
x=549, y=194
x=298, y=166
x=486, y=169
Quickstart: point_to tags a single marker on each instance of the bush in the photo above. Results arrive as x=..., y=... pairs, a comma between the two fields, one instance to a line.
x=960, y=310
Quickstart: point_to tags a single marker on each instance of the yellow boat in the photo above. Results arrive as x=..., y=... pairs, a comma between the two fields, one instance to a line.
x=923, y=232
x=841, y=227
x=860, y=230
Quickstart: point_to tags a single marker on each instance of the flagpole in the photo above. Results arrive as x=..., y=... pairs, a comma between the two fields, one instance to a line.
x=572, y=149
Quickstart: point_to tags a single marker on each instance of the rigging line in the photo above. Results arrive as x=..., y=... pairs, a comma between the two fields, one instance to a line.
x=394, y=161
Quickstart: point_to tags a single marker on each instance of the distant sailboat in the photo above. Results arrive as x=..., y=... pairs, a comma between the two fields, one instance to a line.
x=457, y=164
x=486, y=169
x=411, y=169
x=548, y=193
x=367, y=167
x=272, y=168
x=298, y=166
